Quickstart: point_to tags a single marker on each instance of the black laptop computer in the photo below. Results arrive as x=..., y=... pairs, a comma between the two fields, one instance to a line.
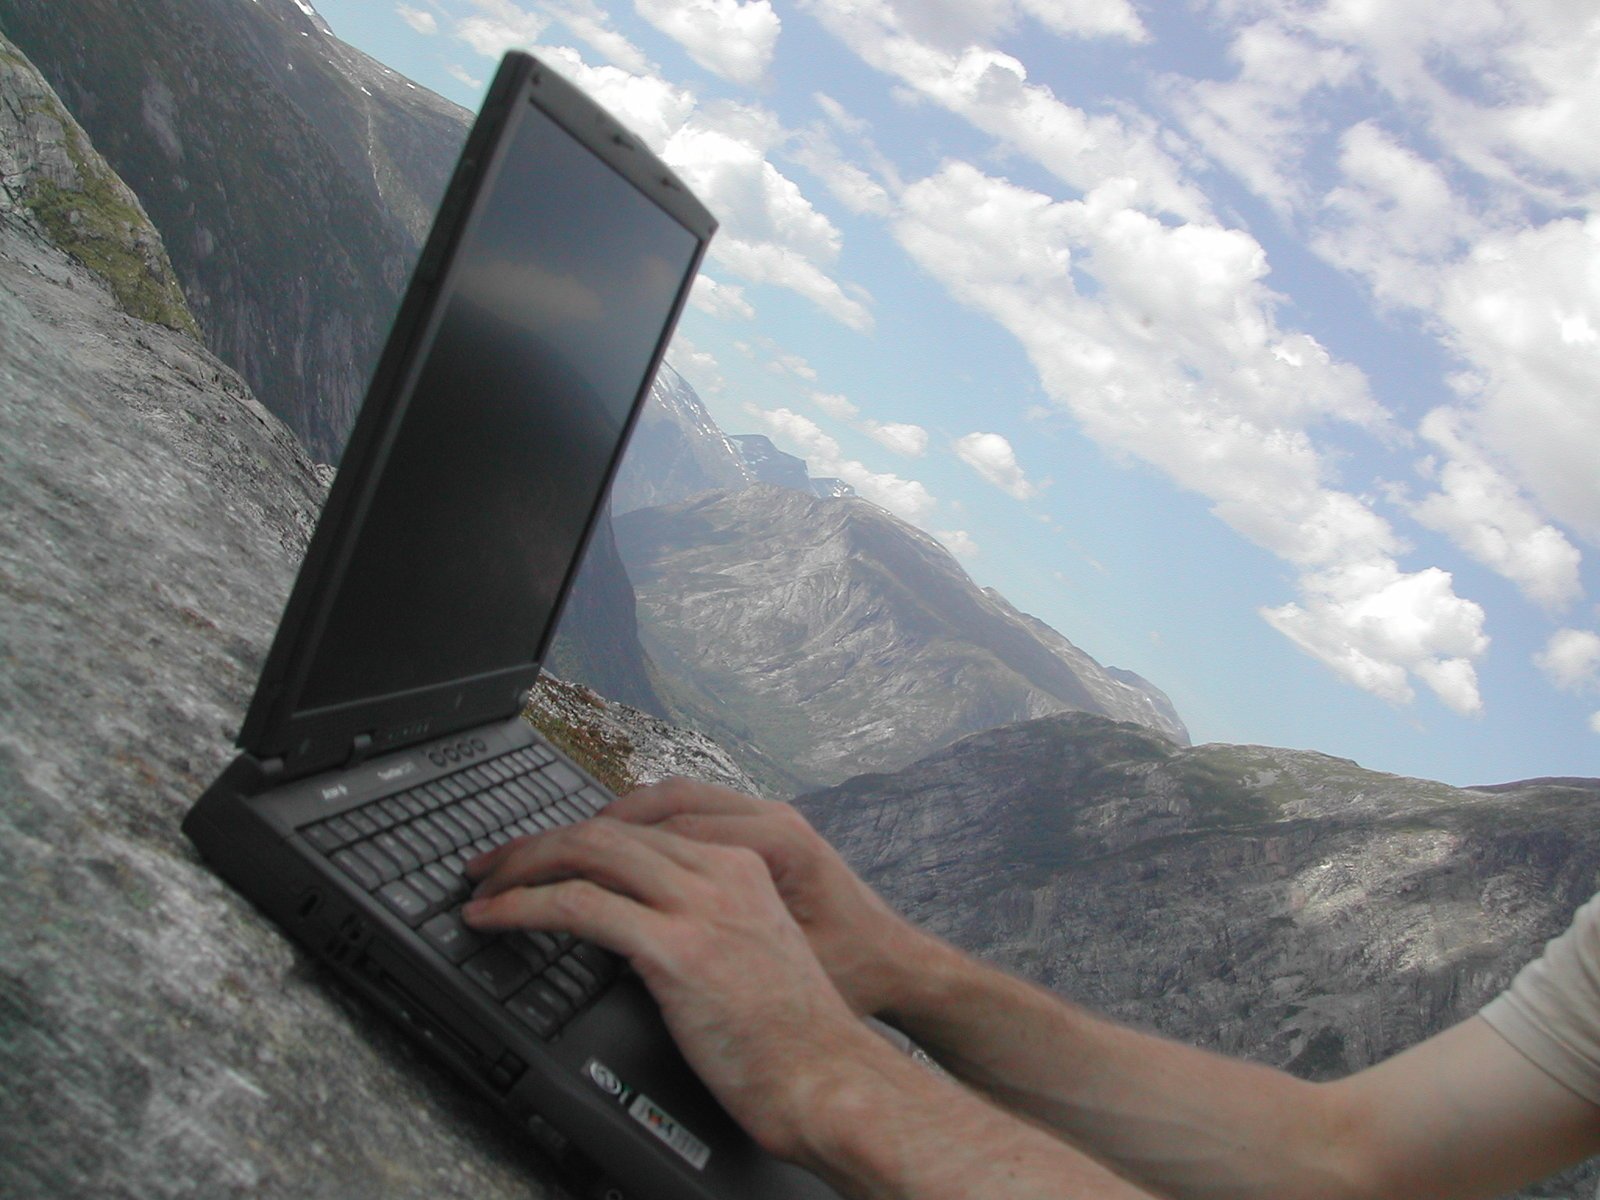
x=384, y=746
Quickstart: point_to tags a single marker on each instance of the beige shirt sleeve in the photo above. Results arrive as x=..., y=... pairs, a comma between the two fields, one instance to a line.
x=1551, y=1011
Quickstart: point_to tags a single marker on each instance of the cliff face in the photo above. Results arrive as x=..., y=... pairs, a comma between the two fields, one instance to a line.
x=1276, y=904
x=677, y=450
x=157, y=1037
x=829, y=638
x=291, y=177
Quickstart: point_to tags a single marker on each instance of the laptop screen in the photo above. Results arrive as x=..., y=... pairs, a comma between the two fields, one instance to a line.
x=555, y=302
x=555, y=272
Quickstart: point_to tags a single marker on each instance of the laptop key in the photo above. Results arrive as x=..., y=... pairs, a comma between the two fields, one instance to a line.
x=397, y=850
x=375, y=858
x=453, y=829
x=529, y=1007
x=416, y=843
x=454, y=884
x=566, y=984
x=323, y=838
x=429, y=889
x=497, y=969
x=564, y=777
x=438, y=841
x=358, y=869
x=449, y=935
x=598, y=959
x=585, y=978
x=404, y=901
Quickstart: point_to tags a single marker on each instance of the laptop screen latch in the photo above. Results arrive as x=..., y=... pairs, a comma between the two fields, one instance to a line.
x=359, y=749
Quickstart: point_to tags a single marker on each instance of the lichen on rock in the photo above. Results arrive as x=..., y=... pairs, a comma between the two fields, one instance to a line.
x=49, y=171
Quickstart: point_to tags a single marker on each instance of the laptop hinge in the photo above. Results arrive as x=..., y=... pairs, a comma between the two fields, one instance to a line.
x=359, y=749
x=270, y=768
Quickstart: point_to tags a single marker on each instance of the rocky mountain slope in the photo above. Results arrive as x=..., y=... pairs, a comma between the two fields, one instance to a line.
x=1277, y=904
x=293, y=179
x=677, y=450
x=831, y=638
x=291, y=176
x=157, y=1037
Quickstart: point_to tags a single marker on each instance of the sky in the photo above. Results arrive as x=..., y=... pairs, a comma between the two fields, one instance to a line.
x=1253, y=346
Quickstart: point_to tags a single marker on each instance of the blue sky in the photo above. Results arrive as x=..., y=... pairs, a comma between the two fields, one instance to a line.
x=1254, y=346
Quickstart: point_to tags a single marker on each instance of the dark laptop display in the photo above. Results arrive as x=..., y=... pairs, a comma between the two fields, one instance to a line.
x=384, y=747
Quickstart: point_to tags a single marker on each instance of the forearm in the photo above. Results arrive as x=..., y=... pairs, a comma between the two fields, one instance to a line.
x=1179, y=1121
x=881, y=1127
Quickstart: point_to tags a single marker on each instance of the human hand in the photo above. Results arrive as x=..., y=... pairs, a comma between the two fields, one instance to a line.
x=745, y=998
x=863, y=944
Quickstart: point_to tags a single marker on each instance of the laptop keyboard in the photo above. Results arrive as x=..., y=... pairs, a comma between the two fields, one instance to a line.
x=410, y=851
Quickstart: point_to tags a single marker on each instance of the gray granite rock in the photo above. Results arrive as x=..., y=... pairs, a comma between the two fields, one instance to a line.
x=157, y=1037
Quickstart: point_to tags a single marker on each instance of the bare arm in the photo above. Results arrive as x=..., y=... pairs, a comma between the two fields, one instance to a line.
x=754, y=1013
x=1463, y=1115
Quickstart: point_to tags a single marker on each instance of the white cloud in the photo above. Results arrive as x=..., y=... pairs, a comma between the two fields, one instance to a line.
x=1087, y=18
x=906, y=498
x=851, y=185
x=770, y=232
x=1479, y=509
x=937, y=50
x=498, y=26
x=1523, y=309
x=1258, y=124
x=646, y=104
x=792, y=364
x=1594, y=722
x=992, y=457
x=835, y=405
x=959, y=542
x=732, y=39
x=591, y=24
x=419, y=19
x=1373, y=624
x=720, y=299
x=698, y=366
x=909, y=441
x=1393, y=217
x=460, y=73
x=1571, y=660
x=1171, y=353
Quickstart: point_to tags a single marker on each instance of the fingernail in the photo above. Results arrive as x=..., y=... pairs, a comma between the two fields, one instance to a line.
x=473, y=909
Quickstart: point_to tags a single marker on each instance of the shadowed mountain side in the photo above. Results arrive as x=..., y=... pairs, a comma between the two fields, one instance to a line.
x=839, y=639
x=291, y=176
x=1282, y=905
x=293, y=179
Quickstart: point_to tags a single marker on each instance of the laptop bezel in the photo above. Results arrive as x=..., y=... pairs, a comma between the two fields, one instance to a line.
x=290, y=742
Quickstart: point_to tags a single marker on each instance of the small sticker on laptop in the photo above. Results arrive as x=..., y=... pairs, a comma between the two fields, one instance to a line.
x=651, y=1115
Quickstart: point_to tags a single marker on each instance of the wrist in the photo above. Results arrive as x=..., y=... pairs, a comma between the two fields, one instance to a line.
x=917, y=977
x=825, y=1093
x=845, y=1100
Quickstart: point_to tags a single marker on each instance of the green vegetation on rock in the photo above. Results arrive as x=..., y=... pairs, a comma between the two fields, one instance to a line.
x=100, y=229
x=557, y=712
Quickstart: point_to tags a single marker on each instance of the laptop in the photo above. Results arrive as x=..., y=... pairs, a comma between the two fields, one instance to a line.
x=384, y=745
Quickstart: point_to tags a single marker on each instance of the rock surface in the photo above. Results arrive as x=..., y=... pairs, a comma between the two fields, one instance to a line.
x=1277, y=904
x=825, y=637
x=291, y=176
x=158, y=1038
x=677, y=450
